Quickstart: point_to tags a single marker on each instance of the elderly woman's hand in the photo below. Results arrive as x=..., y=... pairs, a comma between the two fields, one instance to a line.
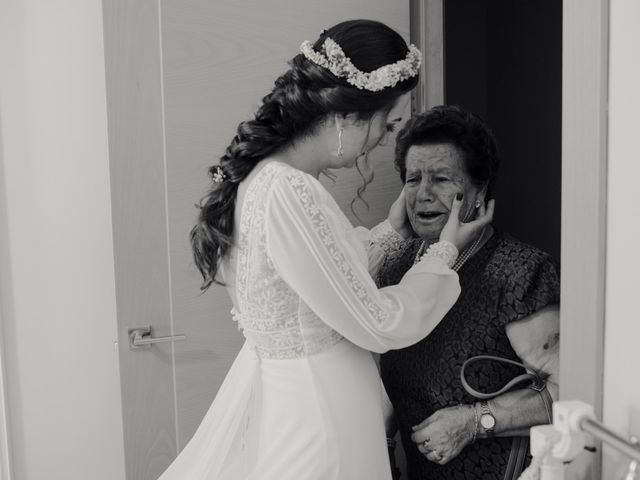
x=443, y=435
x=461, y=234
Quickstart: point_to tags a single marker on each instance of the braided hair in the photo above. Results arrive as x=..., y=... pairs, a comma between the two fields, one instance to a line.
x=298, y=103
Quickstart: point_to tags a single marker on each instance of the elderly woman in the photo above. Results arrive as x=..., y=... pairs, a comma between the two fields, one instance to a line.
x=508, y=308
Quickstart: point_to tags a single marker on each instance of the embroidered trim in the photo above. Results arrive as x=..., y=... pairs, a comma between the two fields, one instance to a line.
x=385, y=236
x=321, y=226
x=444, y=250
x=271, y=316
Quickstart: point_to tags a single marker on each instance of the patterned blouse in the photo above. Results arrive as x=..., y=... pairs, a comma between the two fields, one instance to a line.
x=505, y=280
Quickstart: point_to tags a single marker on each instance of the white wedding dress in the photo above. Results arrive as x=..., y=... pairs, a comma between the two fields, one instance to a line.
x=303, y=399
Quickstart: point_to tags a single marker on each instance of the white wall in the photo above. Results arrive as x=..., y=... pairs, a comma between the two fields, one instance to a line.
x=56, y=255
x=622, y=324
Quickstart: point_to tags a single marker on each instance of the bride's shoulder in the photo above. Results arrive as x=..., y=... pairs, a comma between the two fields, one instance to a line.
x=274, y=179
x=283, y=178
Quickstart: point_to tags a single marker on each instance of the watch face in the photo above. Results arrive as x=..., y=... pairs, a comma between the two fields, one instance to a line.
x=487, y=421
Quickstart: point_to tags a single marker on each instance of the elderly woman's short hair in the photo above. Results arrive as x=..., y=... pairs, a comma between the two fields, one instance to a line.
x=456, y=126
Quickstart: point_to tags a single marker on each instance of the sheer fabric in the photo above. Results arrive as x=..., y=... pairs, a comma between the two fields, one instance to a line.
x=303, y=398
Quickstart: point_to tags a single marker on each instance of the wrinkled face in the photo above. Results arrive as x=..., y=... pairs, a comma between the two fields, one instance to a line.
x=359, y=137
x=435, y=175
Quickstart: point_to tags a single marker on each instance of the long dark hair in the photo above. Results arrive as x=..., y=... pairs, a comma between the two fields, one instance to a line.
x=301, y=98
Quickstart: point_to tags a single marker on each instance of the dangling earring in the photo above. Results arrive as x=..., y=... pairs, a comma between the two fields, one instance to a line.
x=477, y=203
x=340, y=151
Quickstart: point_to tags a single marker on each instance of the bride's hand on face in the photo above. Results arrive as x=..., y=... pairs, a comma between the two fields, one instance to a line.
x=461, y=234
x=398, y=217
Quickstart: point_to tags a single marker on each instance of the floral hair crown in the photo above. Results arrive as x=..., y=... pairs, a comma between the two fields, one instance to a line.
x=335, y=60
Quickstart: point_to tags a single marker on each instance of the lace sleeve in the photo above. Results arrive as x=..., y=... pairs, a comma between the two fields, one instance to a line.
x=379, y=243
x=383, y=241
x=310, y=244
x=384, y=236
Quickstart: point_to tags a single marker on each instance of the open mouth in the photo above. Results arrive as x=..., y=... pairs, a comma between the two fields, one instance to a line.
x=429, y=217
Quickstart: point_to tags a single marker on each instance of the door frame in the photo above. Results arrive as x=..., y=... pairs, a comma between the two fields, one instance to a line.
x=585, y=53
x=427, y=33
x=5, y=443
x=5, y=457
x=585, y=44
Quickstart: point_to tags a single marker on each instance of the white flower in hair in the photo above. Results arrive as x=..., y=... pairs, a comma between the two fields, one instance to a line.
x=334, y=59
x=218, y=175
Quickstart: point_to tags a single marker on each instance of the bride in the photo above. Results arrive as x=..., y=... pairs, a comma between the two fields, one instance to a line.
x=303, y=399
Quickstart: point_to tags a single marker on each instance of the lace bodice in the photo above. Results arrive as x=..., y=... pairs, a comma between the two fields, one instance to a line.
x=274, y=319
x=302, y=282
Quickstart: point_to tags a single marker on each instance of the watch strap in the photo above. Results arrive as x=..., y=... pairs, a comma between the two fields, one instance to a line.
x=485, y=410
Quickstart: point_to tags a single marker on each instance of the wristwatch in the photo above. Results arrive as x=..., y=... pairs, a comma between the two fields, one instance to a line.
x=487, y=420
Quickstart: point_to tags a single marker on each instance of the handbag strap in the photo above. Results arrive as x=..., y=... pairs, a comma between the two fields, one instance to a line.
x=548, y=402
x=535, y=381
x=517, y=458
x=519, y=445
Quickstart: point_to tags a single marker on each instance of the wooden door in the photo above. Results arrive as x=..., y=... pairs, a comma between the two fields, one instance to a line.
x=180, y=77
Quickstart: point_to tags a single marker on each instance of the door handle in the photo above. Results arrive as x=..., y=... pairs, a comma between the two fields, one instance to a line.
x=140, y=338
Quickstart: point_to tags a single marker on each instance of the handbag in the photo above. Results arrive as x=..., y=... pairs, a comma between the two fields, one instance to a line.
x=520, y=444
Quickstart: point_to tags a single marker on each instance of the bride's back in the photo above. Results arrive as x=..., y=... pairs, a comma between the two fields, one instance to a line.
x=271, y=315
